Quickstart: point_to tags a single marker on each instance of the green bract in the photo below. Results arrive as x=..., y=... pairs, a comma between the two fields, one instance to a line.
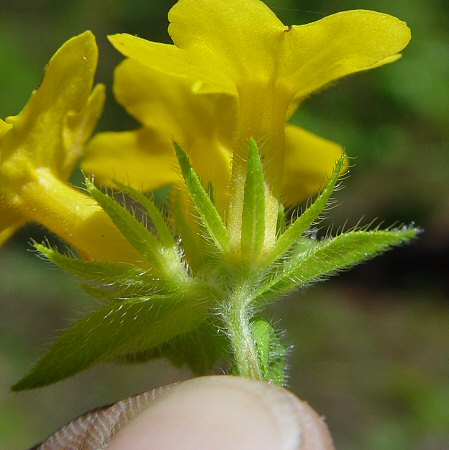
x=193, y=296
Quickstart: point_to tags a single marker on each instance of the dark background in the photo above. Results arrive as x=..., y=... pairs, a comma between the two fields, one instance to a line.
x=371, y=347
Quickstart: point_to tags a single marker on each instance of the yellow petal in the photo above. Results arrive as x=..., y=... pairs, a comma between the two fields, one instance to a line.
x=78, y=127
x=309, y=163
x=204, y=73
x=338, y=45
x=243, y=35
x=142, y=159
x=50, y=130
x=217, y=44
x=168, y=104
x=202, y=124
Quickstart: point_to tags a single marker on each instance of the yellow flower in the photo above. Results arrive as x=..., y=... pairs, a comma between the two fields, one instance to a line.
x=203, y=124
x=40, y=147
x=240, y=48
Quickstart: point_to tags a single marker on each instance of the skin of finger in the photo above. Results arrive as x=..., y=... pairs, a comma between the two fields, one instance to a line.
x=224, y=412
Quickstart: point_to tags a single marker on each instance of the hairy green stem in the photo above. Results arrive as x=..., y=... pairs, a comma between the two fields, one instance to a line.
x=237, y=318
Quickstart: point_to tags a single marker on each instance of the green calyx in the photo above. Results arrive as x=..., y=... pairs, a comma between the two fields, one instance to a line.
x=193, y=297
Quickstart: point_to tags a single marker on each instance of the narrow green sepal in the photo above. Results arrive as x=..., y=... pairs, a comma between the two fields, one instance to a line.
x=210, y=217
x=106, y=281
x=162, y=228
x=196, y=249
x=253, y=215
x=135, y=232
x=117, y=329
x=329, y=256
x=291, y=235
x=270, y=350
x=94, y=271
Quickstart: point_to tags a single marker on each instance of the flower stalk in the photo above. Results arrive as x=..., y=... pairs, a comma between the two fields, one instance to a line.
x=237, y=317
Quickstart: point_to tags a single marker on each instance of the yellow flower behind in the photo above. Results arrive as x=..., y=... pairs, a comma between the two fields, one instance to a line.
x=40, y=147
x=240, y=48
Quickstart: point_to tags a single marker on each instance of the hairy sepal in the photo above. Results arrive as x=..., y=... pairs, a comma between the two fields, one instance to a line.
x=210, y=217
x=138, y=235
x=329, y=256
x=296, y=230
x=253, y=215
x=104, y=280
x=163, y=231
x=197, y=246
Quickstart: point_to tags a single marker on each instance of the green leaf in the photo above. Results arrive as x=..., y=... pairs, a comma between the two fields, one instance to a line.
x=253, y=215
x=162, y=228
x=271, y=351
x=117, y=329
x=330, y=256
x=307, y=218
x=136, y=233
x=209, y=215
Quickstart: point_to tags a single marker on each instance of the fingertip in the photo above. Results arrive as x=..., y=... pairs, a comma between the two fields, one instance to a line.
x=225, y=412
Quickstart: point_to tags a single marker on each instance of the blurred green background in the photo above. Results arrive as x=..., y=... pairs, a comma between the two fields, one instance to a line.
x=371, y=347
